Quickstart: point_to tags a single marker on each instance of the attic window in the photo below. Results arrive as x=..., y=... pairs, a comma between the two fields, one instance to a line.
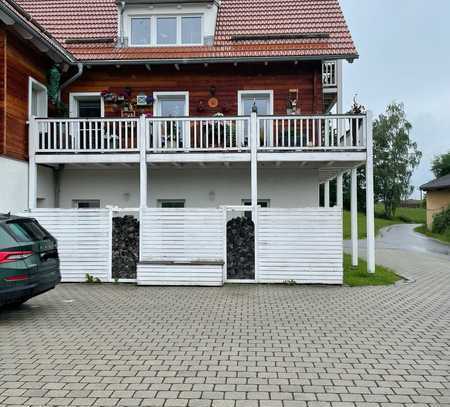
x=140, y=31
x=167, y=30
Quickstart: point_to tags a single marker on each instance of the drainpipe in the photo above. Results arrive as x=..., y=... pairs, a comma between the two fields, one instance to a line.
x=121, y=5
x=73, y=78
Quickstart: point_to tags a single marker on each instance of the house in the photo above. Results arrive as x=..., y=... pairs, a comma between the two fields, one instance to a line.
x=438, y=197
x=188, y=112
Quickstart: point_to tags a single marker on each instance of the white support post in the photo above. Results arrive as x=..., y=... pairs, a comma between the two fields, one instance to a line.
x=32, y=166
x=370, y=215
x=327, y=194
x=143, y=184
x=340, y=190
x=354, y=217
x=143, y=162
x=254, y=162
x=339, y=103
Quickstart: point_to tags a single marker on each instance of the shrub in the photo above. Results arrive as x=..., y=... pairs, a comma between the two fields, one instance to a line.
x=441, y=222
x=91, y=279
x=405, y=219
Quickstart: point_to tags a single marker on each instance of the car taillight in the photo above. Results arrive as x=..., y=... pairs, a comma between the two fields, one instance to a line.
x=18, y=277
x=11, y=257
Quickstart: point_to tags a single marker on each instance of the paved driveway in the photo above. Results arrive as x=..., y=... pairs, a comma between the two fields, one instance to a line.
x=235, y=346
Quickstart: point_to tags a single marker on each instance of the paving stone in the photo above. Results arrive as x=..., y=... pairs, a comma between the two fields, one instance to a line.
x=236, y=346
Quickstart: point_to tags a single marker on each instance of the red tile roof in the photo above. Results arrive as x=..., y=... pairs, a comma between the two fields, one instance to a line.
x=68, y=19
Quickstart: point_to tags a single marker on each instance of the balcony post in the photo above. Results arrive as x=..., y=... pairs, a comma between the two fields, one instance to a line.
x=142, y=135
x=32, y=166
x=339, y=190
x=370, y=215
x=254, y=162
x=326, y=203
x=354, y=217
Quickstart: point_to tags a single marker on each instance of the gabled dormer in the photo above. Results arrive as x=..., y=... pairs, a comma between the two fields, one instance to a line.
x=167, y=23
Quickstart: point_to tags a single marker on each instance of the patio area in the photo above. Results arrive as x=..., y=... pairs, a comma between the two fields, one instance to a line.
x=239, y=345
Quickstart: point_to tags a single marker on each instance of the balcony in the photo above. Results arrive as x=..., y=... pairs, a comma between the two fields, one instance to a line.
x=160, y=135
x=329, y=74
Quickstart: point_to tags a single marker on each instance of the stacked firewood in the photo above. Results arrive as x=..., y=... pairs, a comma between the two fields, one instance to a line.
x=125, y=247
x=240, y=249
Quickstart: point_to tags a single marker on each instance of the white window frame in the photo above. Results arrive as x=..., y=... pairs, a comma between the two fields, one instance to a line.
x=160, y=95
x=249, y=201
x=156, y=112
x=75, y=97
x=153, y=29
x=76, y=202
x=162, y=201
x=32, y=83
x=130, y=19
x=242, y=93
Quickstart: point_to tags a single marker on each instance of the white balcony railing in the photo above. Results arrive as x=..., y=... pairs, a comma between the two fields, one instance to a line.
x=328, y=132
x=86, y=135
x=329, y=74
x=199, y=134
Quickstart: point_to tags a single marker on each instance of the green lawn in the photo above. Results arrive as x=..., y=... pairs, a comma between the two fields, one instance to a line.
x=403, y=215
x=424, y=231
x=358, y=277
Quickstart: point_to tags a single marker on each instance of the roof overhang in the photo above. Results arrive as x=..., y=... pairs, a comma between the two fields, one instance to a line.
x=23, y=24
x=216, y=60
x=165, y=2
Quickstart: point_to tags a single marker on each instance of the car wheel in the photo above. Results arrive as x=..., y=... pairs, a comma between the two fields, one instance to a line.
x=15, y=304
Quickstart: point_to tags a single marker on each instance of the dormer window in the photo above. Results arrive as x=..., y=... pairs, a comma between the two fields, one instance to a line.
x=166, y=30
x=141, y=31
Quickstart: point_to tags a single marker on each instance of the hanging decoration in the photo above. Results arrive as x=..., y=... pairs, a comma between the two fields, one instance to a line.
x=54, y=84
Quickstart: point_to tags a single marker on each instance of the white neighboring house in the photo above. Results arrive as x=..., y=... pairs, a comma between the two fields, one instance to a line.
x=187, y=137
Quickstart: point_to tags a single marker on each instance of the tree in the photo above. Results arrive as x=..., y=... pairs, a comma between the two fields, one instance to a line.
x=395, y=158
x=441, y=165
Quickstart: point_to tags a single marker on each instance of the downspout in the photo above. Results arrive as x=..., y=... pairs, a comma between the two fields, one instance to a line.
x=121, y=5
x=73, y=78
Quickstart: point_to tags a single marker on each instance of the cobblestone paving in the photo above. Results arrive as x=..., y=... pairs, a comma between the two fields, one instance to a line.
x=236, y=346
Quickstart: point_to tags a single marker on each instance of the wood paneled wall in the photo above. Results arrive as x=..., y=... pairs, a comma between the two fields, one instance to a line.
x=198, y=79
x=18, y=62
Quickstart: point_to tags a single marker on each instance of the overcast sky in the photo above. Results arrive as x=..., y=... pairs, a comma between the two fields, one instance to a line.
x=404, y=48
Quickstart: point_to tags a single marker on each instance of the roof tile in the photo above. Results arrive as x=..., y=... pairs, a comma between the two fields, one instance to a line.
x=97, y=19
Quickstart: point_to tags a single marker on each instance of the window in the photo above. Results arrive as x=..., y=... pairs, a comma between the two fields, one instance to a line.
x=140, y=31
x=172, y=104
x=262, y=99
x=166, y=30
x=86, y=203
x=86, y=105
x=26, y=231
x=37, y=99
x=89, y=108
x=171, y=203
x=6, y=239
x=191, y=30
x=263, y=203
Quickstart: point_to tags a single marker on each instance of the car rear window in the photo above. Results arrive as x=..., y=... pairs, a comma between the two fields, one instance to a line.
x=6, y=240
x=26, y=230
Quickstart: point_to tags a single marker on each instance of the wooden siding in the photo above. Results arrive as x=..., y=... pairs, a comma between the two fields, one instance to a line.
x=182, y=247
x=18, y=62
x=84, y=241
x=198, y=79
x=2, y=90
x=301, y=245
x=184, y=275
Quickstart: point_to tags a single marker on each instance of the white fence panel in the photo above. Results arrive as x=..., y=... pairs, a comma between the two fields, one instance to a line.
x=301, y=245
x=84, y=240
x=182, y=247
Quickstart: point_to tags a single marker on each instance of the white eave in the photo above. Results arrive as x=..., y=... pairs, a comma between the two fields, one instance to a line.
x=29, y=32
